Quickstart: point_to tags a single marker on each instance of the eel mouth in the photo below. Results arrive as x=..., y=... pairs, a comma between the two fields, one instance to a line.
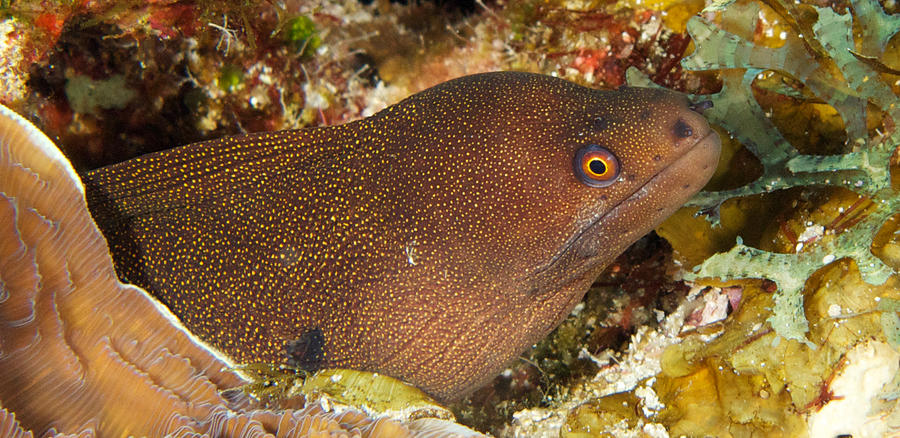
x=699, y=161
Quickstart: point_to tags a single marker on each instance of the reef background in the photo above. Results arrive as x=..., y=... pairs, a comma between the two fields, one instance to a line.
x=110, y=81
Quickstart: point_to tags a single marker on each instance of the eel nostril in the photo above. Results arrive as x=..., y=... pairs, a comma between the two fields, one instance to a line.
x=701, y=106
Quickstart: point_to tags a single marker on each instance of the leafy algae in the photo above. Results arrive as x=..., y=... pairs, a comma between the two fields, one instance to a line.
x=832, y=66
x=775, y=366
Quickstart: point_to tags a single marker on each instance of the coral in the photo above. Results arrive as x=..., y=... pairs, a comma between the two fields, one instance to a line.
x=182, y=59
x=592, y=44
x=12, y=78
x=197, y=70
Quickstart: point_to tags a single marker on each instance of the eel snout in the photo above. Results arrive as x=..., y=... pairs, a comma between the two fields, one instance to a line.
x=703, y=142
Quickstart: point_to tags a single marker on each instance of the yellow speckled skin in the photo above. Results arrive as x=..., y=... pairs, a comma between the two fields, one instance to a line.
x=433, y=241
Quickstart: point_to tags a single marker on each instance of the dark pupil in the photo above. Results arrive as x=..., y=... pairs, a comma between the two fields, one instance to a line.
x=597, y=166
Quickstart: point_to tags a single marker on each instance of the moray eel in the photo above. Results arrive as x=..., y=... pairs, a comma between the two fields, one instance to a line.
x=433, y=242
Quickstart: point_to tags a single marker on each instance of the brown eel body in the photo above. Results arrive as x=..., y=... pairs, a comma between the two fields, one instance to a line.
x=433, y=241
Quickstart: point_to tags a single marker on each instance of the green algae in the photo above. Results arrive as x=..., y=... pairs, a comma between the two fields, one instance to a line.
x=300, y=33
x=890, y=320
x=376, y=394
x=824, y=63
x=740, y=378
x=230, y=77
x=838, y=305
x=769, y=368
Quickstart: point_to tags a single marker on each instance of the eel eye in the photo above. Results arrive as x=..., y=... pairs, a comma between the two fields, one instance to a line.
x=596, y=166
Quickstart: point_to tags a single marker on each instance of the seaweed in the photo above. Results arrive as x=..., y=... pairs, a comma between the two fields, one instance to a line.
x=890, y=321
x=301, y=34
x=824, y=58
x=281, y=386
